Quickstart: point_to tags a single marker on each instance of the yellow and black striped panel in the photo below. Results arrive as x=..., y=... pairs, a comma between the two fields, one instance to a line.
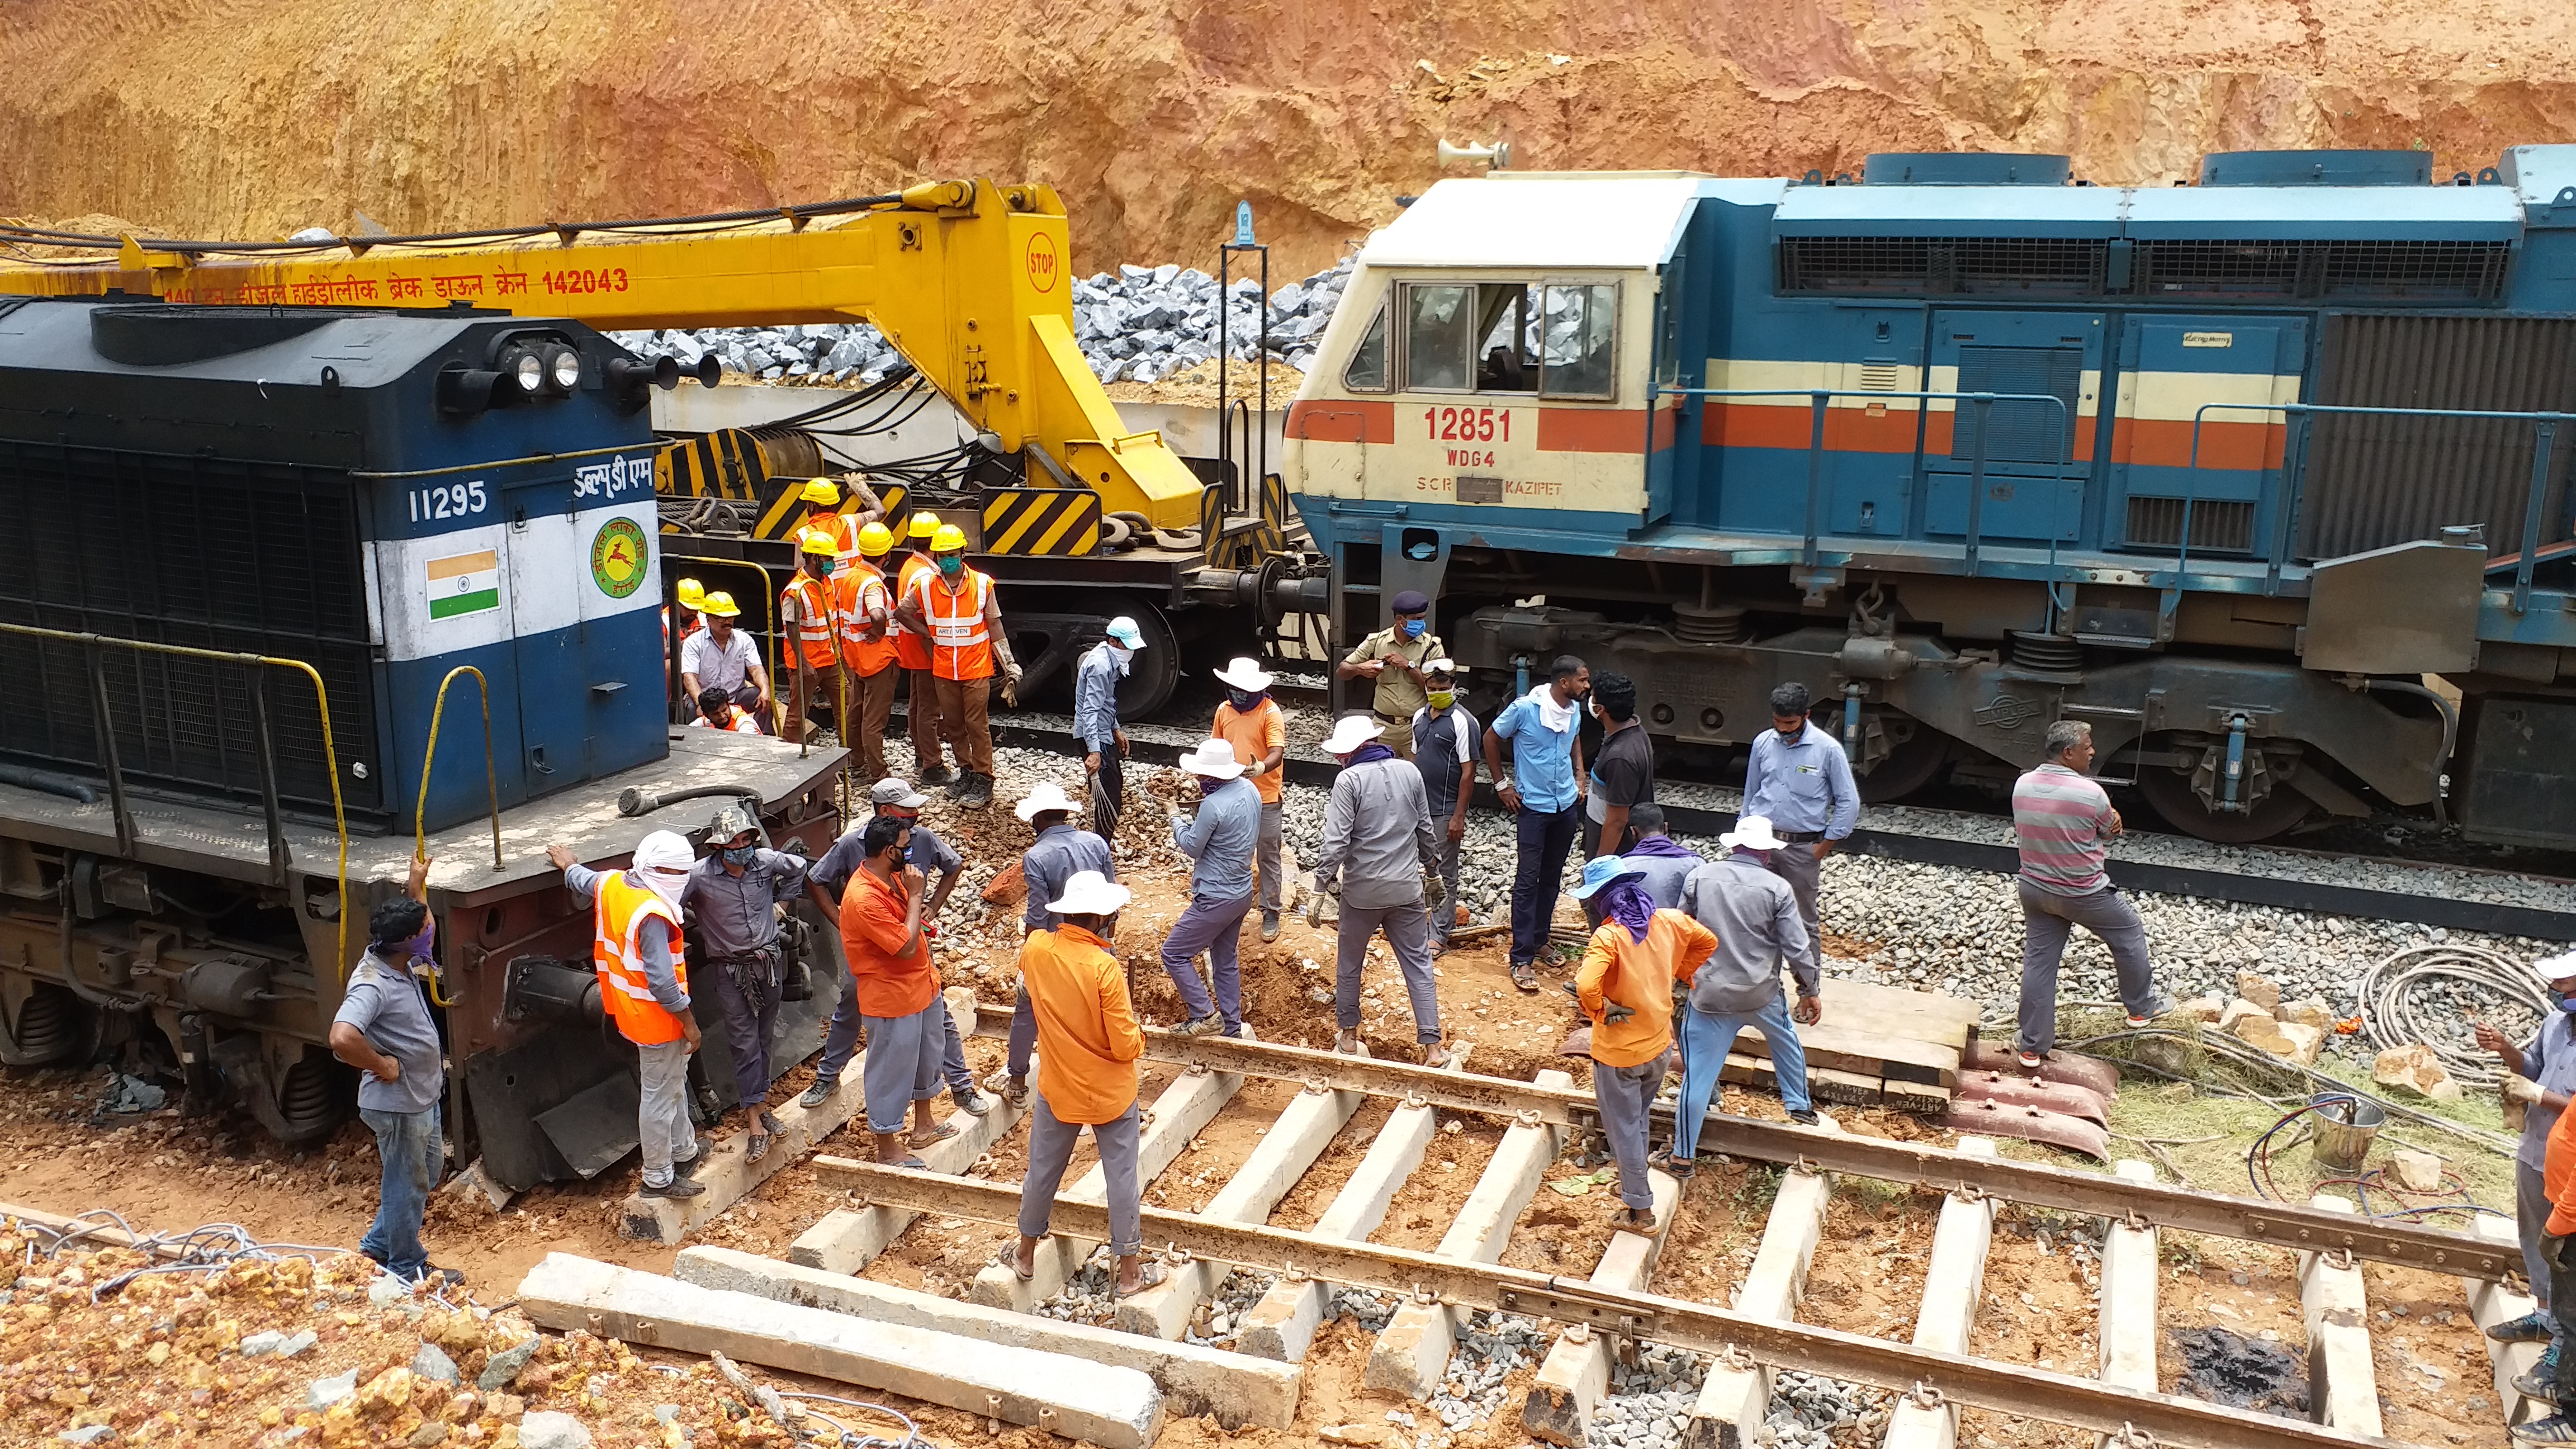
x=1042, y=522
x=722, y=464
x=1273, y=537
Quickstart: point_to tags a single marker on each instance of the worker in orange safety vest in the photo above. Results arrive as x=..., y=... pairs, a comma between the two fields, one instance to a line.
x=823, y=515
x=955, y=609
x=864, y=605
x=806, y=617
x=644, y=987
x=912, y=651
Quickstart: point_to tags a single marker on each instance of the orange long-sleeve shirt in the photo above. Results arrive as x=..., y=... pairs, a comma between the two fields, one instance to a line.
x=1640, y=975
x=2558, y=1176
x=1088, y=1041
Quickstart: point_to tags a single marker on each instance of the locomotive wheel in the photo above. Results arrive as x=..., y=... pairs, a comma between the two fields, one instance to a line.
x=1155, y=671
x=2170, y=792
x=1908, y=768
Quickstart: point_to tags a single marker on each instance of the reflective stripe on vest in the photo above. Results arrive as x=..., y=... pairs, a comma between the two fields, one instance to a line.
x=911, y=648
x=961, y=645
x=617, y=924
x=859, y=591
x=813, y=598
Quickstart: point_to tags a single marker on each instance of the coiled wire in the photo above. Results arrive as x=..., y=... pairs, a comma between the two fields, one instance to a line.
x=2387, y=996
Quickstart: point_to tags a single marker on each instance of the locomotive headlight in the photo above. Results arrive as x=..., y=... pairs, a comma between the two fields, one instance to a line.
x=565, y=366
x=527, y=370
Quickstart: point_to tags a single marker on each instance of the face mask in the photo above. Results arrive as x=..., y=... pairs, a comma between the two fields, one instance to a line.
x=2567, y=1003
x=1443, y=698
x=1243, y=701
x=951, y=564
x=418, y=947
x=1413, y=627
x=740, y=854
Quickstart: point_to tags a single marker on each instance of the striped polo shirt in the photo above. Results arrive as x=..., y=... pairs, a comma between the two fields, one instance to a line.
x=2061, y=817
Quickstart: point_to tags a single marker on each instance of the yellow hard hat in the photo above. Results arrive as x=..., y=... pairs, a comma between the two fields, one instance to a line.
x=820, y=490
x=721, y=605
x=693, y=595
x=815, y=540
x=924, y=525
x=949, y=539
x=875, y=540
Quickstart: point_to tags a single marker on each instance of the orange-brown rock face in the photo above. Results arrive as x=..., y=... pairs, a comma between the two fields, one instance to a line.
x=249, y=117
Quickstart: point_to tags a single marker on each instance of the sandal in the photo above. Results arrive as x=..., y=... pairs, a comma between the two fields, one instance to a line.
x=1525, y=976
x=946, y=1131
x=915, y=1163
x=1149, y=1274
x=757, y=1147
x=1009, y=1258
x=1671, y=1166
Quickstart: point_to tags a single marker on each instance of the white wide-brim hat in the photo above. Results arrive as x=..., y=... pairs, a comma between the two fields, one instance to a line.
x=1045, y=798
x=2555, y=968
x=1090, y=893
x=1212, y=760
x=1349, y=733
x=1244, y=674
x=1751, y=832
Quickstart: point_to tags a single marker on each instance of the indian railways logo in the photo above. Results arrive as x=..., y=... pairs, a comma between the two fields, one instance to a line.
x=1042, y=262
x=617, y=555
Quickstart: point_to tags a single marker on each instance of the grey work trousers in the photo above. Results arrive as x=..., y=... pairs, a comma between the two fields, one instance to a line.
x=1265, y=858
x=1051, y=1140
x=902, y=1063
x=1796, y=863
x=2046, y=921
x=2531, y=1224
x=1445, y=864
x=1408, y=933
x=841, y=1042
x=1624, y=1094
x=662, y=1111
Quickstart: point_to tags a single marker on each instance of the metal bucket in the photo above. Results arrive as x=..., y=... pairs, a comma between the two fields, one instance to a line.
x=2346, y=1126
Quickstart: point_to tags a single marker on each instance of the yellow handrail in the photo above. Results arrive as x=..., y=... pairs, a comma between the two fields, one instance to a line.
x=321, y=700
x=420, y=811
x=696, y=564
x=429, y=756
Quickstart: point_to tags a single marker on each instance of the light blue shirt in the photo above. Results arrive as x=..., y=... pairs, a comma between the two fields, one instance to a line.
x=1220, y=840
x=1055, y=857
x=2549, y=1061
x=1542, y=758
x=1805, y=786
x=1095, y=696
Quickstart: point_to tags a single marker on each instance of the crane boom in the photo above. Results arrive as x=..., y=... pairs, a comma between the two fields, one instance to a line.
x=971, y=281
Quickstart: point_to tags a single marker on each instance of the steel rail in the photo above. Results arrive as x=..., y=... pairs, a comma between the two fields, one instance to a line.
x=2282, y=893
x=2190, y=1210
x=1932, y=1376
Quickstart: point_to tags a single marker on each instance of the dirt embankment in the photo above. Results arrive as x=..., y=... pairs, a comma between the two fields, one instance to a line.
x=242, y=119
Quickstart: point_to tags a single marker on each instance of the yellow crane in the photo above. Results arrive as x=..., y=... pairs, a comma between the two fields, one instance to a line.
x=970, y=280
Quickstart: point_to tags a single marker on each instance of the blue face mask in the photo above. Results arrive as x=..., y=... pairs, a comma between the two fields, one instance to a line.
x=2567, y=1003
x=951, y=564
x=740, y=854
x=1413, y=628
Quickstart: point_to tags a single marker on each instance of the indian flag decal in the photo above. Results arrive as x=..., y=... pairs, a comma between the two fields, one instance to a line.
x=469, y=583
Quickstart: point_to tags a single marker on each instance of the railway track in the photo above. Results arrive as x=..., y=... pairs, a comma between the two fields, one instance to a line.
x=1629, y=1296
x=2280, y=877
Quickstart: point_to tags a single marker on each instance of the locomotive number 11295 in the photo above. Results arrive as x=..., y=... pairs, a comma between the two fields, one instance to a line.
x=1467, y=425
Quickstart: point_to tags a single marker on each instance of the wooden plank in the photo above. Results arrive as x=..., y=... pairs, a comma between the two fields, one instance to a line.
x=1848, y=1049
x=1929, y=1016
x=1850, y=1089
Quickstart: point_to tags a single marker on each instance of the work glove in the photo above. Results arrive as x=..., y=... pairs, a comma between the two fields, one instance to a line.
x=1432, y=890
x=1010, y=684
x=2520, y=1088
x=1611, y=1011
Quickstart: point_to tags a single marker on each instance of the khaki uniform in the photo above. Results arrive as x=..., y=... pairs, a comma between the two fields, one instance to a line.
x=1398, y=694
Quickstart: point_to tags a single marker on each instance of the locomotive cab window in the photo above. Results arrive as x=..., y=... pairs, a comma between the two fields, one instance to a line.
x=1366, y=371
x=1579, y=333
x=1553, y=339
